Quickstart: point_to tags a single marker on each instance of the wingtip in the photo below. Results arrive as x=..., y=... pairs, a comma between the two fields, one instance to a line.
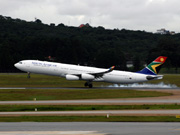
x=112, y=68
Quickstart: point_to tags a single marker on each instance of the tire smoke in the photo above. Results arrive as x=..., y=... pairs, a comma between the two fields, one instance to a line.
x=144, y=85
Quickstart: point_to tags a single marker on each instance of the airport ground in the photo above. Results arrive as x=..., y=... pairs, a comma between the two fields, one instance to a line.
x=38, y=96
x=102, y=110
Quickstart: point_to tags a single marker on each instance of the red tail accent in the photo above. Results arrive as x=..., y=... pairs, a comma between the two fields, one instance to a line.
x=161, y=59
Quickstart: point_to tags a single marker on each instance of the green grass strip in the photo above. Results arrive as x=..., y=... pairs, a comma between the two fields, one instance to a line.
x=62, y=94
x=90, y=119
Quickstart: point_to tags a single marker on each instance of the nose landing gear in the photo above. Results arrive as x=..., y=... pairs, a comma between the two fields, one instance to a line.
x=28, y=76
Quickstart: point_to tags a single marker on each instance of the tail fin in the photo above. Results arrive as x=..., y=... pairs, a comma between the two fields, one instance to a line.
x=154, y=67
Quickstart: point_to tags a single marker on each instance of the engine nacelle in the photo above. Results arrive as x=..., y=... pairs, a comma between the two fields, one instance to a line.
x=87, y=77
x=72, y=77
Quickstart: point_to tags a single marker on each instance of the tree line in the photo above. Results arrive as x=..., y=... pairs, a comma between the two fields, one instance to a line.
x=91, y=46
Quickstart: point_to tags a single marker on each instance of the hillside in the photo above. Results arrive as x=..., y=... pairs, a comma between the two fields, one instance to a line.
x=93, y=46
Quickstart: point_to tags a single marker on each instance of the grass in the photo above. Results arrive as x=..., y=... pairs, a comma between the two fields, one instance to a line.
x=170, y=71
x=62, y=94
x=14, y=108
x=90, y=119
x=21, y=80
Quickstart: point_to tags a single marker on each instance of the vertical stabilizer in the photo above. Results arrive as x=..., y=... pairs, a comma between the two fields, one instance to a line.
x=154, y=67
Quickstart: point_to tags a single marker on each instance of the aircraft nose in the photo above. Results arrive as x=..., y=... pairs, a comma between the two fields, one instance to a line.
x=16, y=65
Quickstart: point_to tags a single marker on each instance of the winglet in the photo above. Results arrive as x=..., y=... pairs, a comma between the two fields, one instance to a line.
x=100, y=74
x=111, y=68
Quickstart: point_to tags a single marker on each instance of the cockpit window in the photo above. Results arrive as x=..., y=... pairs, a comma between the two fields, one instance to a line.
x=20, y=62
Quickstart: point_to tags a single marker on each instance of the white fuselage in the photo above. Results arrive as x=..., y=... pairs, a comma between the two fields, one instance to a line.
x=62, y=70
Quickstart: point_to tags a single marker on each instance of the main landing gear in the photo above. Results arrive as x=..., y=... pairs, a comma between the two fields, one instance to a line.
x=28, y=76
x=88, y=84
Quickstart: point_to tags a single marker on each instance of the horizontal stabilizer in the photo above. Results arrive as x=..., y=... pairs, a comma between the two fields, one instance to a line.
x=154, y=77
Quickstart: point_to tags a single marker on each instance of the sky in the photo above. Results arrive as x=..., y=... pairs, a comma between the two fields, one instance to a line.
x=147, y=15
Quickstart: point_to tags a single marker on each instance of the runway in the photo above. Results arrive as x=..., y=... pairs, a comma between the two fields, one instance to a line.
x=84, y=88
x=135, y=101
x=97, y=128
x=173, y=112
x=50, y=133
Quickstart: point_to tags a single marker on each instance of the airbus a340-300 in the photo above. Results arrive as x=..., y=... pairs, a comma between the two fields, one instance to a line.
x=90, y=74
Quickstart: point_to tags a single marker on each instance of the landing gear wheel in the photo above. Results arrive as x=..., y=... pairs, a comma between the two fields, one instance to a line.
x=90, y=85
x=86, y=84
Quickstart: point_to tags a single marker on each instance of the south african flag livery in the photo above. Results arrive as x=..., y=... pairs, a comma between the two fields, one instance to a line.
x=154, y=67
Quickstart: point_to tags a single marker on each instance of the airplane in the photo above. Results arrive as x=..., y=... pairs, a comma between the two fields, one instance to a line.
x=91, y=74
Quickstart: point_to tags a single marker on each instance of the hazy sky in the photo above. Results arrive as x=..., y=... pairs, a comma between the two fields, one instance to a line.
x=148, y=15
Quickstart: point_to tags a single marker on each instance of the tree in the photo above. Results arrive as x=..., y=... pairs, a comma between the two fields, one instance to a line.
x=38, y=21
x=167, y=46
x=110, y=57
x=137, y=64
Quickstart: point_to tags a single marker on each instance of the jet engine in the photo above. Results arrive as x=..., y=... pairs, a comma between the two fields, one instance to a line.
x=72, y=77
x=87, y=77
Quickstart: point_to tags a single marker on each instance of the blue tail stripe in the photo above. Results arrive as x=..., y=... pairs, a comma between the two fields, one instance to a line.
x=146, y=71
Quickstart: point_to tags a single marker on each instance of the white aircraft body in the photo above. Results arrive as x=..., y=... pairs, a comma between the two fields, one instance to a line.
x=90, y=74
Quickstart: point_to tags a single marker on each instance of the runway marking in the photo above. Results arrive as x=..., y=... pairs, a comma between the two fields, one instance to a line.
x=50, y=133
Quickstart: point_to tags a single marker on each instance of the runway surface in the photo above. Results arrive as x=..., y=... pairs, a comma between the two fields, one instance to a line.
x=96, y=113
x=96, y=102
x=84, y=88
x=98, y=128
x=50, y=133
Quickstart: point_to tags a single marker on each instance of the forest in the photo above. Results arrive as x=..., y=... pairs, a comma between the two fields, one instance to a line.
x=88, y=45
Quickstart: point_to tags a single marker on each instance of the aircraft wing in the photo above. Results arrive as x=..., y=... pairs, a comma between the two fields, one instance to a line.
x=90, y=76
x=100, y=74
